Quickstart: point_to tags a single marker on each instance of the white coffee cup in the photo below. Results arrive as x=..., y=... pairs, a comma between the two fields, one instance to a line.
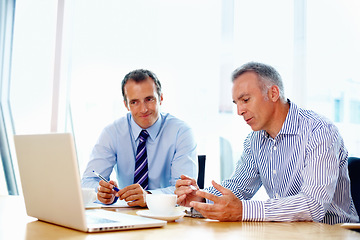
x=161, y=204
x=88, y=195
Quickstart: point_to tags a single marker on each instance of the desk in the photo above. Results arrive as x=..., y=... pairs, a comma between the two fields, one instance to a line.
x=15, y=224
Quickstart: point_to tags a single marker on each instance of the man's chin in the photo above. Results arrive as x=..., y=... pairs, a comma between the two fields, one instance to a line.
x=145, y=124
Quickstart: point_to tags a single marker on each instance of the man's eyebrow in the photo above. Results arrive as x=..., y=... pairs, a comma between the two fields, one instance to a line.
x=243, y=95
x=134, y=99
x=240, y=97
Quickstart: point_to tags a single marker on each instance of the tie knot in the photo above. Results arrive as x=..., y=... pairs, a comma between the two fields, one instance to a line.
x=143, y=135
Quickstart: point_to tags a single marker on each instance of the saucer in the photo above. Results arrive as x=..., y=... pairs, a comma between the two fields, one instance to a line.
x=172, y=217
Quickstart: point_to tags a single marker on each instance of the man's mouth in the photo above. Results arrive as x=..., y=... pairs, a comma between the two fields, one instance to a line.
x=248, y=120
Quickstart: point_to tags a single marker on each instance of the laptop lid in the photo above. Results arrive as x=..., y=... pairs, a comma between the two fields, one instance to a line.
x=51, y=184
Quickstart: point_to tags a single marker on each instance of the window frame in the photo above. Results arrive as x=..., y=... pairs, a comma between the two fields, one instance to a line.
x=7, y=9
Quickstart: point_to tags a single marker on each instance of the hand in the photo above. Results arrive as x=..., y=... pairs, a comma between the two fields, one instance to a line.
x=185, y=193
x=226, y=208
x=106, y=193
x=134, y=195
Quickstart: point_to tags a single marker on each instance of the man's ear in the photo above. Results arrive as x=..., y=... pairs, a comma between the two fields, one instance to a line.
x=274, y=93
x=126, y=105
x=161, y=98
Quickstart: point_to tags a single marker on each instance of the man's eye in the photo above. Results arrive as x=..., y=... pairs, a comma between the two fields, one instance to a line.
x=150, y=99
x=246, y=99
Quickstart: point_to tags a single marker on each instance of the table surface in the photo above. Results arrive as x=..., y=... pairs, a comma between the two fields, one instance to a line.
x=15, y=224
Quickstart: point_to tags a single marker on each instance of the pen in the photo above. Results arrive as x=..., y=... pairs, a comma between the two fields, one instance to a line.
x=193, y=187
x=102, y=178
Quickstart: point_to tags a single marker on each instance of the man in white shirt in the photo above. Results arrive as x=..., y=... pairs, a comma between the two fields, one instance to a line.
x=298, y=156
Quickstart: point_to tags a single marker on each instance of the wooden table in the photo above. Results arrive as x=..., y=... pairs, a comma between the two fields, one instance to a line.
x=15, y=224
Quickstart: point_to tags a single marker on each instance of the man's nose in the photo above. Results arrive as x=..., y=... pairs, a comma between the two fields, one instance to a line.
x=240, y=109
x=143, y=107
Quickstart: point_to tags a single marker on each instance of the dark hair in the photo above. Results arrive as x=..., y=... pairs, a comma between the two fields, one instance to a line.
x=140, y=75
x=268, y=76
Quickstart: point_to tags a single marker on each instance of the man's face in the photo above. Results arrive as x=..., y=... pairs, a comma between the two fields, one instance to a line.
x=251, y=103
x=143, y=102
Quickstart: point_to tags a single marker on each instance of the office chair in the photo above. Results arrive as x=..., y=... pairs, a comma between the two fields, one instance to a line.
x=201, y=173
x=354, y=175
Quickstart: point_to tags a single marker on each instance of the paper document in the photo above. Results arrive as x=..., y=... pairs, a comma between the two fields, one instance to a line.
x=97, y=204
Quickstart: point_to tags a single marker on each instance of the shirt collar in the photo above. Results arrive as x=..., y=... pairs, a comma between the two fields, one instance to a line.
x=152, y=130
x=291, y=123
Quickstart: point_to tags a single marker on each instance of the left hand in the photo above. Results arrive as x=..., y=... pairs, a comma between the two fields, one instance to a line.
x=133, y=194
x=226, y=208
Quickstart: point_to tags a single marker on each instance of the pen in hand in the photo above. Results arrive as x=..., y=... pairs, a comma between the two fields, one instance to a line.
x=102, y=178
x=191, y=186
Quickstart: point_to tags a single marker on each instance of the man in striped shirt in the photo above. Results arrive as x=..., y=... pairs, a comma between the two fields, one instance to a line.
x=298, y=156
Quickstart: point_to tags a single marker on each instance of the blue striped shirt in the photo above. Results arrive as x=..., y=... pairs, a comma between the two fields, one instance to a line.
x=303, y=170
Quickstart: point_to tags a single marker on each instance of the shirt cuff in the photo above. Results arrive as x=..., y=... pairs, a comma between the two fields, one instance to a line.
x=253, y=210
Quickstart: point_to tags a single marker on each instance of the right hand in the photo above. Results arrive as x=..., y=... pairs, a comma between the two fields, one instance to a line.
x=106, y=193
x=134, y=195
x=185, y=193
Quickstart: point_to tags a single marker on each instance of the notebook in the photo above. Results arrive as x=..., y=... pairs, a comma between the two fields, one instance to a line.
x=50, y=181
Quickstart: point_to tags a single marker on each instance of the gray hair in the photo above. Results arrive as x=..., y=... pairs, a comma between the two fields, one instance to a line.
x=267, y=75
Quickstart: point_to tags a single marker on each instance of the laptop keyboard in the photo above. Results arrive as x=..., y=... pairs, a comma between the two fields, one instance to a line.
x=90, y=219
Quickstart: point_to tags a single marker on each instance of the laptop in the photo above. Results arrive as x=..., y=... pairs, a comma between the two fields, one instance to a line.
x=50, y=181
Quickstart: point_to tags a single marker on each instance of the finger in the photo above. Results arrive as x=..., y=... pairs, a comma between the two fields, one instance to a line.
x=183, y=182
x=139, y=202
x=208, y=196
x=184, y=190
x=106, y=200
x=105, y=197
x=104, y=184
x=124, y=190
x=210, y=211
x=136, y=197
x=193, y=180
x=204, y=208
x=221, y=189
x=183, y=177
x=132, y=196
x=130, y=190
x=113, y=183
x=181, y=199
x=105, y=187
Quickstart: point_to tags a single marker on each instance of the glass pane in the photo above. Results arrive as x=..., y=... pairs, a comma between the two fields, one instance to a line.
x=167, y=37
x=32, y=66
x=333, y=59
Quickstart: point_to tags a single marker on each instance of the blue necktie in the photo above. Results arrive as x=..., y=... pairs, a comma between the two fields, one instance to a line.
x=141, y=163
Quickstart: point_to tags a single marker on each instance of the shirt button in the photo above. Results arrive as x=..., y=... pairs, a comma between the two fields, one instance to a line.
x=274, y=148
x=277, y=195
x=274, y=171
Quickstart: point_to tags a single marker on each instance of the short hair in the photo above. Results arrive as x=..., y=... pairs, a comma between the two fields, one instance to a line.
x=140, y=75
x=267, y=75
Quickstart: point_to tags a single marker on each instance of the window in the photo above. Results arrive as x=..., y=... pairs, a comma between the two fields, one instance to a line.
x=7, y=176
x=355, y=111
x=192, y=46
x=339, y=110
